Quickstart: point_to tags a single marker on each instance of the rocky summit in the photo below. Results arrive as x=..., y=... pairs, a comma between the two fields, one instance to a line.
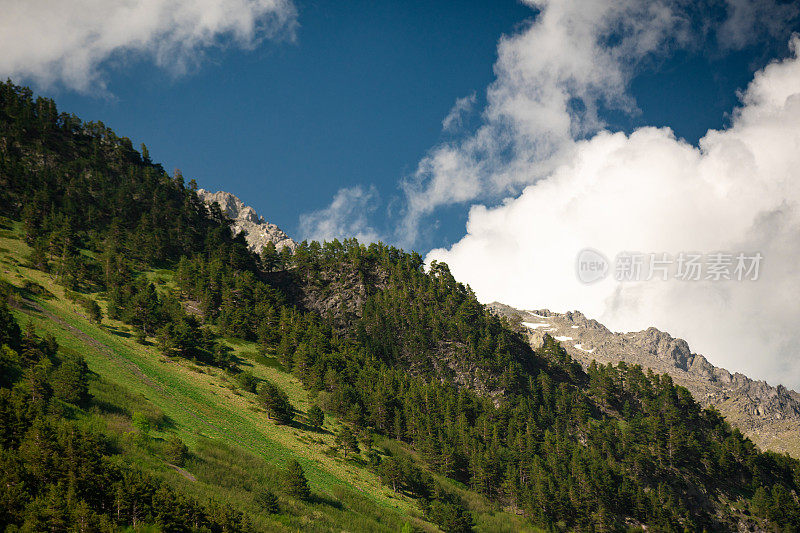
x=244, y=219
x=769, y=415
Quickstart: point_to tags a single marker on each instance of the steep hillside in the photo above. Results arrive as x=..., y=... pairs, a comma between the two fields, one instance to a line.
x=236, y=453
x=428, y=410
x=770, y=415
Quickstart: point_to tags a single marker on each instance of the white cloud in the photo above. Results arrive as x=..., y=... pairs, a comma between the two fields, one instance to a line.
x=346, y=216
x=454, y=118
x=574, y=58
x=750, y=20
x=51, y=41
x=556, y=76
x=739, y=190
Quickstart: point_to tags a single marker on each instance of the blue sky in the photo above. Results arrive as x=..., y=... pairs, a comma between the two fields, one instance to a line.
x=358, y=98
x=327, y=117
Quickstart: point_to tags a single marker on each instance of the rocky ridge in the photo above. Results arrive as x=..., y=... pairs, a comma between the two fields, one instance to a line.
x=769, y=415
x=257, y=231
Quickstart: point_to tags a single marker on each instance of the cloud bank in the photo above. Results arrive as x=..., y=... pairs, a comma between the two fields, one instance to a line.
x=574, y=59
x=51, y=42
x=739, y=190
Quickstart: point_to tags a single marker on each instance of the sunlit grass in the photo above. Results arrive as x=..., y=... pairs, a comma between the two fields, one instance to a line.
x=235, y=446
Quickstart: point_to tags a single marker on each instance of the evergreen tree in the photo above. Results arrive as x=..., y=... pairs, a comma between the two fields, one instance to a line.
x=93, y=311
x=10, y=333
x=70, y=381
x=346, y=441
x=296, y=482
x=267, y=500
x=315, y=416
x=270, y=259
x=276, y=402
x=175, y=451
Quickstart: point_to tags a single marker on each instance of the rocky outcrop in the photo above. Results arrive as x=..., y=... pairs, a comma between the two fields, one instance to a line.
x=769, y=415
x=244, y=219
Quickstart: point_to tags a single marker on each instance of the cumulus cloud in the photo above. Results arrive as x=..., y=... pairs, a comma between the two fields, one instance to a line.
x=739, y=190
x=454, y=118
x=556, y=77
x=346, y=216
x=51, y=42
x=574, y=59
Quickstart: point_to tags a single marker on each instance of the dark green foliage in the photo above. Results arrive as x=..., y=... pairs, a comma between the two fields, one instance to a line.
x=70, y=381
x=367, y=439
x=90, y=306
x=175, y=451
x=346, y=441
x=296, y=482
x=276, y=402
x=10, y=333
x=65, y=196
x=31, y=288
x=267, y=500
x=57, y=476
x=779, y=505
x=93, y=311
x=450, y=515
x=391, y=473
x=248, y=381
x=270, y=259
x=315, y=416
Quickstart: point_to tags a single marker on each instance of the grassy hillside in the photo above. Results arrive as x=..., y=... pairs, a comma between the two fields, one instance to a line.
x=129, y=397
x=236, y=450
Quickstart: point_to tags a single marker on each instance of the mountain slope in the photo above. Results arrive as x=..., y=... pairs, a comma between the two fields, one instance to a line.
x=442, y=414
x=768, y=415
x=222, y=423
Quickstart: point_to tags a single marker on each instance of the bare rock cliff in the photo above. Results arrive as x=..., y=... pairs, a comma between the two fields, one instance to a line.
x=769, y=415
x=257, y=232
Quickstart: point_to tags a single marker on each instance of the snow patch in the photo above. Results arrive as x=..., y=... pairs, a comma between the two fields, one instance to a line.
x=538, y=316
x=581, y=348
x=563, y=338
x=534, y=325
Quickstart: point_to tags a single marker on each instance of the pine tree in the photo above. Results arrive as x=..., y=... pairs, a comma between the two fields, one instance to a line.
x=176, y=451
x=315, y=416
x=93, y=311
x=267, y=501
x=346, y=440
x=70, y=381
x=276, y=403
x=296, y=482
x=391, y=473
x=270, y=258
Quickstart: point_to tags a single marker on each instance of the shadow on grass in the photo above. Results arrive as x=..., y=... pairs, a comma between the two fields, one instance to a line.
x=109, y=408
x=119, y=332
x=326, y=500
x=310, y=429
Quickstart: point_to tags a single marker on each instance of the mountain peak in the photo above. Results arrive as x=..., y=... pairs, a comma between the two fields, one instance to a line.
x=245, y=219
x=769, y=415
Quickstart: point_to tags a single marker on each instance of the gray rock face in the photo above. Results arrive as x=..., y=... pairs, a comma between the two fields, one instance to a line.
x=769, y=415
x=257, y=232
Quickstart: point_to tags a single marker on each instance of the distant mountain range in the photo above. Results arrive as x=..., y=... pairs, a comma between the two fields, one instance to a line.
x=769, y=415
